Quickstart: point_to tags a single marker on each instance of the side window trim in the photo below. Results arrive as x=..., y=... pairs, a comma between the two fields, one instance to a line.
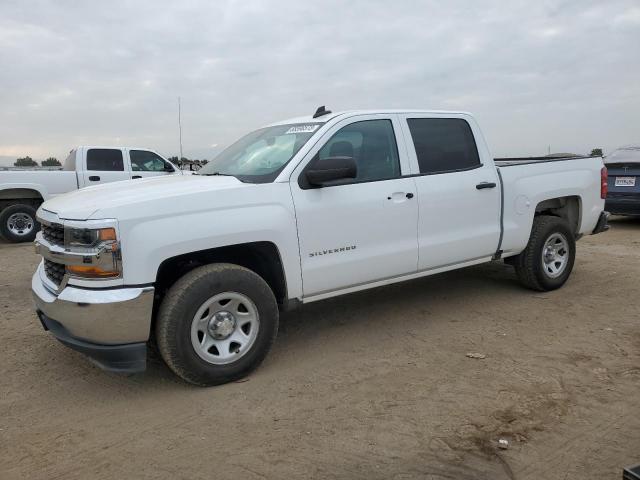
x=455, y=170
x=129, y=162
x=302, y=183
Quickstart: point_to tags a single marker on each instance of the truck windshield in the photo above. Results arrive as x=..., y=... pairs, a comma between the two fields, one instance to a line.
x=260, y=156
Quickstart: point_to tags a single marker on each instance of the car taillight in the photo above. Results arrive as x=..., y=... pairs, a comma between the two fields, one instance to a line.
x=603, y=182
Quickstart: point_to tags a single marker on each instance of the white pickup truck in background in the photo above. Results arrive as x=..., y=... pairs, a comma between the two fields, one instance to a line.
x=298, y=211
x=22, y=191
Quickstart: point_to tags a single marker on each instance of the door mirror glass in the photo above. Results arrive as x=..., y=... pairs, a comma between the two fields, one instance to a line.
x=332, y=169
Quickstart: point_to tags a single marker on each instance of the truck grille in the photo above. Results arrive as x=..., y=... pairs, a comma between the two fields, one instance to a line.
x=53, y=233
x=54, y=271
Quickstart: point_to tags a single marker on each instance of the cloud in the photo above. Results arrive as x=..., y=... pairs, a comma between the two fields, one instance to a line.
x=536, y=74
x=629, y=17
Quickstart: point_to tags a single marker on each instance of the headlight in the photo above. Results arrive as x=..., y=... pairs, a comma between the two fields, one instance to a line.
x=100, y=249
x=88, y=237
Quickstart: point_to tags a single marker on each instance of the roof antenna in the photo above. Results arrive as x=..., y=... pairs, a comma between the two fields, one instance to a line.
x=321, y=111
x=180, y=130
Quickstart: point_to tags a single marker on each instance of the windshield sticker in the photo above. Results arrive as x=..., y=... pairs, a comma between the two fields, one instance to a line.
x=302, y=129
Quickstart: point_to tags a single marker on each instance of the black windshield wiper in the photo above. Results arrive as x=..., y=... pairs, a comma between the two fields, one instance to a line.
x=216, y=173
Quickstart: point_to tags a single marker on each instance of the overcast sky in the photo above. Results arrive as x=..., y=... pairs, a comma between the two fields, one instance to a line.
x=558, y=73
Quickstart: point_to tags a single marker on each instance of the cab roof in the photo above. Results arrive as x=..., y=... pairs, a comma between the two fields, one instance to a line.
x=349, y=113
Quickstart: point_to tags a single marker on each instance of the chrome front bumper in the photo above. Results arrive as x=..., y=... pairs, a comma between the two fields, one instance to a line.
x=112, y=316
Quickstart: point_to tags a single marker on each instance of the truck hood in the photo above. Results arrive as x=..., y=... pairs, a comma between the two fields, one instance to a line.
x=88, y=202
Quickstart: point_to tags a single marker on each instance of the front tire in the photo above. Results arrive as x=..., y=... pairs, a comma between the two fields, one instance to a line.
x=547, y=261
x=18, y=223
x=216, y=324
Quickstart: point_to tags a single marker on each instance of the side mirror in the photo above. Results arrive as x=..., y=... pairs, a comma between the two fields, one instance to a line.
x=168, y=168
x=331, y=169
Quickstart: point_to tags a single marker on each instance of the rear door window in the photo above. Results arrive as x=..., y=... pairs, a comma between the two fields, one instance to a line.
x=443, y=144
x=105, y=160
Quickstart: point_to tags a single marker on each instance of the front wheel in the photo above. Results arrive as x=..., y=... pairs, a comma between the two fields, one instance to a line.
x=18, y=223
x=216, y=324
x=547, y=261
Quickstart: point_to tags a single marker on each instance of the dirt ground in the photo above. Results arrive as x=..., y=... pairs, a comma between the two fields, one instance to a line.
x=371, y=385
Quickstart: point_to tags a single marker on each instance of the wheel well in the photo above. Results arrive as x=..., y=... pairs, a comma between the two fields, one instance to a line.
x=262, y=258
x=16, y=196
x=19, y=193
x=567, y=208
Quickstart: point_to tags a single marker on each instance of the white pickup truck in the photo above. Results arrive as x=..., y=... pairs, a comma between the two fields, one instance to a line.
x=22, y=191
x=295, y=212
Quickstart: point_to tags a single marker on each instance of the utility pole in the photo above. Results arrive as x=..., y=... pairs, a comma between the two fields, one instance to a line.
x=180, y=129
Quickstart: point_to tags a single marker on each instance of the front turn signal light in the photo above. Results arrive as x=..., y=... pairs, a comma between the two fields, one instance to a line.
x=90, y=271
x=107, y=234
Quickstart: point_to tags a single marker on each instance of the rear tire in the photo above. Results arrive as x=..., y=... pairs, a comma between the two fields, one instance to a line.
x=547, y=261
x=216, y=324
x=18, y=223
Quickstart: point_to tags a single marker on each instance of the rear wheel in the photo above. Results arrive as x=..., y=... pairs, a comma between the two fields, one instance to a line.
x=216, y=324
x=18, y=223
x=547, y=261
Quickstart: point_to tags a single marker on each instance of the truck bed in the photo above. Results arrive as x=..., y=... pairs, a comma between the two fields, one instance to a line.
x=535, y=179
x=48, y=183
x=510, y=161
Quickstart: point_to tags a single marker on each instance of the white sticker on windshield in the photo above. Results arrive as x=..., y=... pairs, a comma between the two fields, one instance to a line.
x=302, y=129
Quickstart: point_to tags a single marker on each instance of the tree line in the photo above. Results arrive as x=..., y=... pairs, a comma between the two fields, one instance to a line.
x=30, y=162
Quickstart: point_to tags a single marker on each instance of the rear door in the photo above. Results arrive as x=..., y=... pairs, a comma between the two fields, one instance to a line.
x=145, y=163
x=104, y=165
x=458, y=191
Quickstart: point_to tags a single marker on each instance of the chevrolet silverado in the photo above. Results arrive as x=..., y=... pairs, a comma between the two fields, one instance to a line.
x=295, y=212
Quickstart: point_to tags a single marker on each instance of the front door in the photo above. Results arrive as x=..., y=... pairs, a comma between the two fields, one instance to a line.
x=145, y=163
x=363, y=230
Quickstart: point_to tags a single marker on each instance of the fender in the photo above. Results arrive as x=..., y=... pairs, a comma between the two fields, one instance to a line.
x=39, y=188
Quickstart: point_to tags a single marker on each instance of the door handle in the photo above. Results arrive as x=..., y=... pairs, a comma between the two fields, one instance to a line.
x=397, y=196
x=484, y=185
x=137, y=176
x=94, y=178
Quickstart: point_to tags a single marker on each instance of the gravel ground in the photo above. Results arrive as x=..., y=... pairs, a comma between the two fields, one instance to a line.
x=371, y=385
